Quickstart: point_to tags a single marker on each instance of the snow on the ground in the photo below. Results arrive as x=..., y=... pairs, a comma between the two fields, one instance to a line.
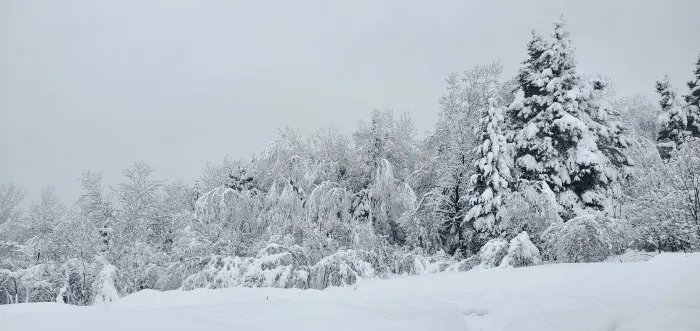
x=631, y=256
x=660, y=294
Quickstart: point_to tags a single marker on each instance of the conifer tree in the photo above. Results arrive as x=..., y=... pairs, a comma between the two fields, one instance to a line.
x=562, y=129
x=490, y=181
x=673, y=120
x=692, y=99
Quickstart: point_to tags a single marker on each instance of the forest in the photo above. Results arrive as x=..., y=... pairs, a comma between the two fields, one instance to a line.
x=549, y=166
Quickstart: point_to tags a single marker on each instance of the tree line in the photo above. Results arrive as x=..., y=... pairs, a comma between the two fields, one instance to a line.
x=549, y=166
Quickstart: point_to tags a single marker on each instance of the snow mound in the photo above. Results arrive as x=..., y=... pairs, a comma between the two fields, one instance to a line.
x=659, y=294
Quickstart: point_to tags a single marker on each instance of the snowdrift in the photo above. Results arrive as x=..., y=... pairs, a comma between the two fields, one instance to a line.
x=660, y=294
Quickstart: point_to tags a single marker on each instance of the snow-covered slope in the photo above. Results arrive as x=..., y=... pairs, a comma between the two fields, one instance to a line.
x=660, y=294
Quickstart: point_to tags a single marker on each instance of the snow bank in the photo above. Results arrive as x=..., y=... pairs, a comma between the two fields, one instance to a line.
x=659, y=294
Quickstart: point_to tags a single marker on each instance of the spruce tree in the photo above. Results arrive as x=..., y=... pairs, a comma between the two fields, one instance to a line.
x=562, y=129
x=673, y=120
x=692, y=99
x=492, y=176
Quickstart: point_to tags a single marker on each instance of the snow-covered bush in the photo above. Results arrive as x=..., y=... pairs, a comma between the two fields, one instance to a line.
x=416, y=263
x=586, y=238
x=277, y=266
x=341, y=268
x=219, y=272
x=662, y=202
x=492, y=253
x=521, y=252
x=465, y=265
x=37, y=283
x=532, y=207
x=78, y=279
x=103, y=287
x=274, y=266
x=174, y=274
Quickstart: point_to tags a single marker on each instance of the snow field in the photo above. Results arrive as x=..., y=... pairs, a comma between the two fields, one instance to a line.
x=660, y=294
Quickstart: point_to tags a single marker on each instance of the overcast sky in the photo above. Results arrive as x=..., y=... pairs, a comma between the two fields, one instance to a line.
x=96, y=85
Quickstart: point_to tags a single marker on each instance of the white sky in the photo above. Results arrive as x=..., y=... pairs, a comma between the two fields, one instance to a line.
x=96, y=85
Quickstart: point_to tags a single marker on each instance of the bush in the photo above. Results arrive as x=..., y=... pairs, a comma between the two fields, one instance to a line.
x=521, y=252
x=38, y=283
x=492, y=253
x=532, y=207
x=78, y=279
x=103, y=287
x=415, y=263
x=586, y=238
x=465, y=265
x=341, y=268
x=274, y=266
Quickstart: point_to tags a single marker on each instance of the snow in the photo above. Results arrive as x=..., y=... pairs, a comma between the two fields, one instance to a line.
x=659, y=294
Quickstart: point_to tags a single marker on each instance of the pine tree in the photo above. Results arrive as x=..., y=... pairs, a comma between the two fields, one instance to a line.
x=673, y=120
x=562, y=129
x=490, y=181
x=692, y=99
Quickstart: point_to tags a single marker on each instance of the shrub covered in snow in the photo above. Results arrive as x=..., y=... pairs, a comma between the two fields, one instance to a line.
x=415, y=263
x=532, y=207
x=341, y=268
x=464, y=265
x=37, y=283
x=274, y=266
x=103, y=287
x=521, y=252
x=492, y=253
x=77, y=282
x=587, y=238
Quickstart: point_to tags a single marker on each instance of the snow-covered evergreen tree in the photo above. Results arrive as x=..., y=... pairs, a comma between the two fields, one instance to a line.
x=562, y=129
x=673, y=120
x=692, y=99
x=490, y=181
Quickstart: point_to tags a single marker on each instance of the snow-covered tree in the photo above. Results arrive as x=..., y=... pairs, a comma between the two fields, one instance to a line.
x=139, y=202
x=10, y=212
x=492, y=176
x=385, y=138
x=692, y=100
x=673, y=120
x=45, y=216
x=174, y=212
x=686, y=181
x=214, y=175
x=639, y=115
x=452, y=144
x=103, y=287
x=562, y=129
x=98, y=207
x=388, y=152
x=450, y=152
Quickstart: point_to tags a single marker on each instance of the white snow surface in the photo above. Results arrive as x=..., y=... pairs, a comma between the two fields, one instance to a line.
x=660, y=294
